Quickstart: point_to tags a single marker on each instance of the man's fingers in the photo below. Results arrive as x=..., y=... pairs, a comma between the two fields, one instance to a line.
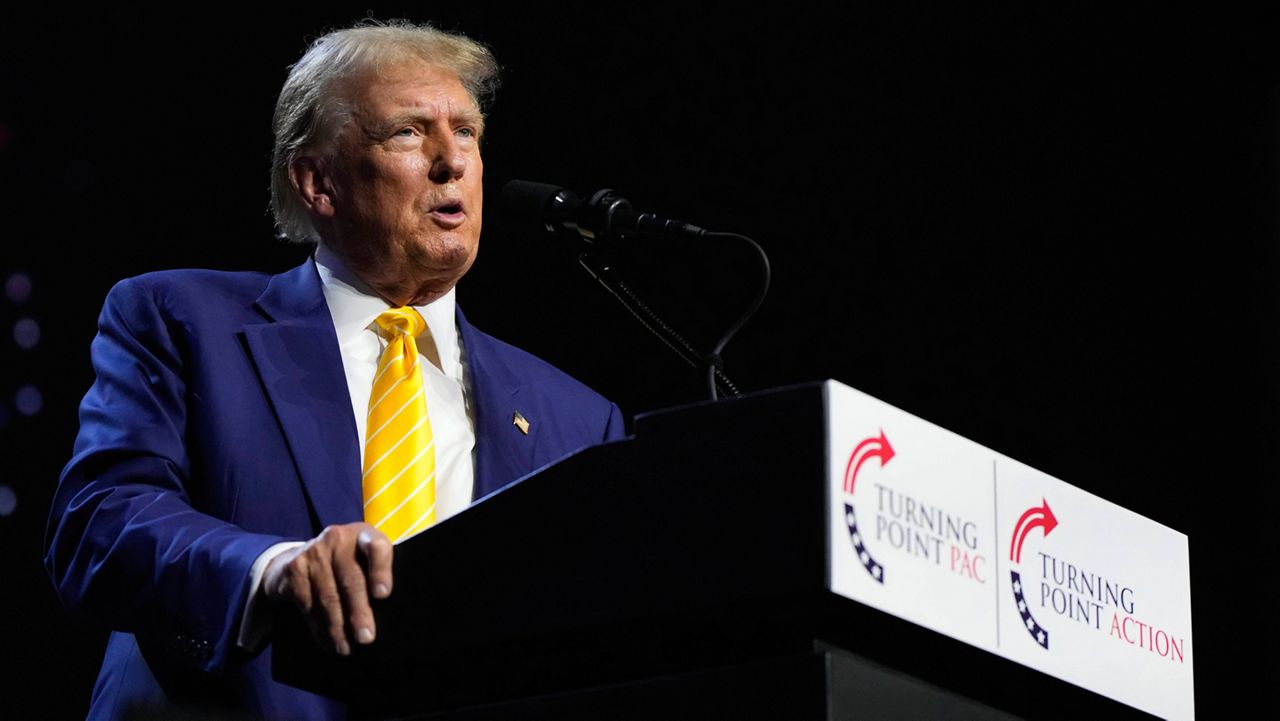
x=355, y=597
x=327, y=609
x=377, y=551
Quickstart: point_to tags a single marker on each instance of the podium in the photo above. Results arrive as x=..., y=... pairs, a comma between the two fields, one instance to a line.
x=685, y=572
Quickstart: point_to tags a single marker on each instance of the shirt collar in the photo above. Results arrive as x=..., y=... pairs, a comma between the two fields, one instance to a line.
x=354, y=305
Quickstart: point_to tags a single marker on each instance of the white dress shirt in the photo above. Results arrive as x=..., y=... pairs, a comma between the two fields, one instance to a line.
x=354, y=307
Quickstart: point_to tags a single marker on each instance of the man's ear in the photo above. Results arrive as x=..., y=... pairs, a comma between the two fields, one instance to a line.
x=307, y=175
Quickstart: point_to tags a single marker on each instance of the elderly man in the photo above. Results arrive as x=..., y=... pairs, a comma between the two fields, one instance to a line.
x=255, y=444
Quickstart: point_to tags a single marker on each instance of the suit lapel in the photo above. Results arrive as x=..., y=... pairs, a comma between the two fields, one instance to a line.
x=503, y=452
x=300, y=366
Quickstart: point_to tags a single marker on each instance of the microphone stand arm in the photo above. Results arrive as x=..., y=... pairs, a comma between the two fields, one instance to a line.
x=717, y=382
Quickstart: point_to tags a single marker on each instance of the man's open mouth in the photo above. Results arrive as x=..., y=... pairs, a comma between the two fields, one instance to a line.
x=450, y=213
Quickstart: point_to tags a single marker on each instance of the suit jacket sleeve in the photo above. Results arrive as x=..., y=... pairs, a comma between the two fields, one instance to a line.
x=126, y=545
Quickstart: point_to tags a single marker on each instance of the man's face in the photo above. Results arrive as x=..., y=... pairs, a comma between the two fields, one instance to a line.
x=403, y=179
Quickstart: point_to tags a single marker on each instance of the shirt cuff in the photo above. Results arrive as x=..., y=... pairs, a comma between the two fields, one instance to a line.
x=256, y=623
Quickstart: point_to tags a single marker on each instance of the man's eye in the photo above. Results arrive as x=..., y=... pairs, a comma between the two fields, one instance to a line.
x=405, y=132
x=467, y=132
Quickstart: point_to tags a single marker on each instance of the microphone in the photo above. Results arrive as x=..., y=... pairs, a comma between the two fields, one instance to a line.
x=603, y=216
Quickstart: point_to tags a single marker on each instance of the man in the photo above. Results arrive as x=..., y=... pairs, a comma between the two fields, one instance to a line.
x=256, y=443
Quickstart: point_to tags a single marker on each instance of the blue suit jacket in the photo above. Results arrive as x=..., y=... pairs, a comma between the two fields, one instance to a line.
x=220, y=424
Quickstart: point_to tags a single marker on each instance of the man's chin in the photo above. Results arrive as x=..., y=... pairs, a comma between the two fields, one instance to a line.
x=445, y=261
x=445, y=251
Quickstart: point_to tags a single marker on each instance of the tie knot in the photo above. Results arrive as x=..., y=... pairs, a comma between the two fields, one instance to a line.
x=402, y=320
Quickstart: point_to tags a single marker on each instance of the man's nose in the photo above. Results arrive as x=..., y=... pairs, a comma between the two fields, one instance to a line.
x=449, y=162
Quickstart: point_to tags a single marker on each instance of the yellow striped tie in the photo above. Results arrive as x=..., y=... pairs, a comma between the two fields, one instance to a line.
x=399, y=453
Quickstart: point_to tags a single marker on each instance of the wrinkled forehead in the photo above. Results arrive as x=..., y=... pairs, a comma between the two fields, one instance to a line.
x=375, y=92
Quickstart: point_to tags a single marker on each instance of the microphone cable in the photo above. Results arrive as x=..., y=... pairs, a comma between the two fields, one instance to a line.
x=718, y=382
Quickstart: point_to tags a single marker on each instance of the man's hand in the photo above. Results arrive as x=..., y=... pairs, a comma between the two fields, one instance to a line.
x=330, y=579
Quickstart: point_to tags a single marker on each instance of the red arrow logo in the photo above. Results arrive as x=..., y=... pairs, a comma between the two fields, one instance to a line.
x=1036, y=517
x=869, y=447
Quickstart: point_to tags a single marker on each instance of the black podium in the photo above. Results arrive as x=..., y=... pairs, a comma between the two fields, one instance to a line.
x=681, y=573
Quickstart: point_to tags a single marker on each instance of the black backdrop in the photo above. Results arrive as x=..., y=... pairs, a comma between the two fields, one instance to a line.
x=1053, y=232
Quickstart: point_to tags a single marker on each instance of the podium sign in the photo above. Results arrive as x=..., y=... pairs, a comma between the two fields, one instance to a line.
x=805, y=553
x=945, y=533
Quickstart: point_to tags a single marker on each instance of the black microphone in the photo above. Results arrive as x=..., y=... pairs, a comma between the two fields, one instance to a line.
x=604, y=215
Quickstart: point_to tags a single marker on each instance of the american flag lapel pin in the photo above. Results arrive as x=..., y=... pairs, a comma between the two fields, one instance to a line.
x=519, y=421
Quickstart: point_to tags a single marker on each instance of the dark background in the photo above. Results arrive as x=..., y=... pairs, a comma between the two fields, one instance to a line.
x=1053, y=232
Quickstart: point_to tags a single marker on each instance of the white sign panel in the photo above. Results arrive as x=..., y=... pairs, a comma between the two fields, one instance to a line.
x=950, y=535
